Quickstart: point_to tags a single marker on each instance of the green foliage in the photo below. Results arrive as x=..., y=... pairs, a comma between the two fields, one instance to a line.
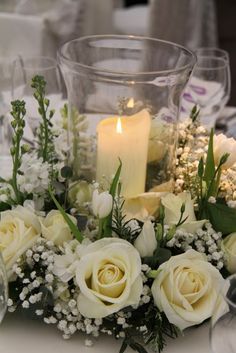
x=73, y=227
x=45, y=135
x=17, y=150
x=106, y=223
x=222, y=217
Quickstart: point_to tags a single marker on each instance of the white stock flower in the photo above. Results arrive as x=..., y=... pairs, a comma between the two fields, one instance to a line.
x=101, y=203
x=35, y=178
x=222, y=145
x=229, y=248
x=146, y=242
x=109, y=277
x=186, y=289
x=19, y=229
x=173, y=203
x=55, y=228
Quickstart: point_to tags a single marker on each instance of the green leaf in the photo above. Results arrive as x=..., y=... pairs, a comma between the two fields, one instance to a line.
x=210, y=163
x=115, y=180
x=4, y=206
x=201, y=168
x=138, y=347
x=123, y=346
x=107, y=222
x=2, y=180
x=74, y=229
x=222, y=217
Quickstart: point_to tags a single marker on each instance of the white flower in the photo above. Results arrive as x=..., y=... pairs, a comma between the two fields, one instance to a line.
x=222, y=145
x=35, y=178
x=65, y=265
x=101, y=203
x=19, y=230
x=173, y=203
x=109, y=277
x=229, y=248
x=146, y=242
x=55, y=228
x=186, y=289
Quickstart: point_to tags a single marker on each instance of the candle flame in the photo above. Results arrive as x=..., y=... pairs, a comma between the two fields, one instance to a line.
x=119, y=126
x=130, y=103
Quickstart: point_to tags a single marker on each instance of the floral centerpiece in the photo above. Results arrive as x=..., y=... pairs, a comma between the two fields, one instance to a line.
x=78, y=258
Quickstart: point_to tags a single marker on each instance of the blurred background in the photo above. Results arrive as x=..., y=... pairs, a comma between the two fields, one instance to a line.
x=39, y=27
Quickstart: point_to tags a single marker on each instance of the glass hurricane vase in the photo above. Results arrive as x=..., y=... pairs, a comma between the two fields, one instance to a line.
x=124, y=95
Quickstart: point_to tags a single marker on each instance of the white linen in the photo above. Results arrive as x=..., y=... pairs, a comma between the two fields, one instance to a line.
x=24, y=336
x=25, y=35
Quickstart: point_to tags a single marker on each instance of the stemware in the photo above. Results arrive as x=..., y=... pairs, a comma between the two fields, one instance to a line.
x=3, y=289
x=209, y=87
x=222, y=333
x=24, y=70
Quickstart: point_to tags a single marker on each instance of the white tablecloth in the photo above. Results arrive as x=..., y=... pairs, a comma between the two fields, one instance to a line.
x=21, y=335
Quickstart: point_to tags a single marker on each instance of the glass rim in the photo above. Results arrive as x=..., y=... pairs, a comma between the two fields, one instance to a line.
x=225, y=288
x=219, y=50
x=216, y=58
x=54, y=63
x=65, y=59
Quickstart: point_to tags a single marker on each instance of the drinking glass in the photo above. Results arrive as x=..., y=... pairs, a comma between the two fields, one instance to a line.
x=3, y=289
x=209, y=88
x=24, y=70
x=6, y=70
x=223, y=328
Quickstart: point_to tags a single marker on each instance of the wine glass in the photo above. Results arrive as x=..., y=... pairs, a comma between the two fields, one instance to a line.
x=212, y=51
x=209, y=88
x=24, y=70
x=223, y=328
x=6, y=70
x=3, y=289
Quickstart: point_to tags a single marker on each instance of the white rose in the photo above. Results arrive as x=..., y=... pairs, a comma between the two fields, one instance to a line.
x=146, y=242
x=229, y=248
x=222, y=145
x=186, y=289
x=101, y=203
x=173, y=203
x=109, y=277
x=55, y=228
x=19, y=229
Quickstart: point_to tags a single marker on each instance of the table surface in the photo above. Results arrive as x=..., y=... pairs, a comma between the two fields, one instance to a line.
x=21, y=335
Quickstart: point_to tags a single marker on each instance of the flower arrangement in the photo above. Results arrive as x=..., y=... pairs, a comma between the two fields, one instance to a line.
x=77, y=258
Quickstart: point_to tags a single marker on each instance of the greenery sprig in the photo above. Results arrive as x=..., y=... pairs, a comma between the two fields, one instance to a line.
x=17, y=150
x=45, y=136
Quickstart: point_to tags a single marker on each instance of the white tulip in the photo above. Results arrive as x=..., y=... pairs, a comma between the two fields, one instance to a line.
x=229, y=248
x=102, y=203
x=146, y=242
x=55, y=228
x=186, y=289
x=222, y=145
x=173, y=203
x=19, y=230
x=109, y=277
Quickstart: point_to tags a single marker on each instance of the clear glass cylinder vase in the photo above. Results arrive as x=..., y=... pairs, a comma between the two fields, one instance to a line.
x=124, y=95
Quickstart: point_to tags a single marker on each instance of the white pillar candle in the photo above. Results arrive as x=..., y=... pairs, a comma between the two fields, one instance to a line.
x=125, y=138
